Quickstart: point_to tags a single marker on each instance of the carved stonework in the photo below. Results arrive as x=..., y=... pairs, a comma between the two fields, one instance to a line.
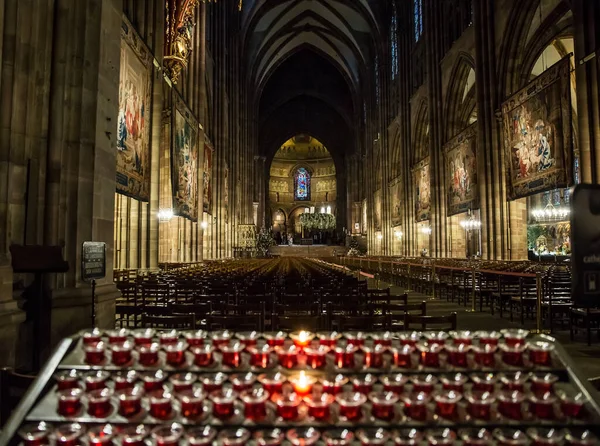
x=178, y=41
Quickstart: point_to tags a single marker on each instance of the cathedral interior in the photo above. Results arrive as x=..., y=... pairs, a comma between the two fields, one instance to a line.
x=220, y=152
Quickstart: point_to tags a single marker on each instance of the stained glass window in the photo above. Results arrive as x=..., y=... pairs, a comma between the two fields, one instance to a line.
x=302, y=185
x=418, y=15
x=394, y=42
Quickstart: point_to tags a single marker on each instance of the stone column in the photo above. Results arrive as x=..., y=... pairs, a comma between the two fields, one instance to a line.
x=261, y=181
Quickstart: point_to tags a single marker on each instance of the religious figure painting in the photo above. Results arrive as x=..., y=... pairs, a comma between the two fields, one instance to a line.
x=377, y=207
x=184, y=161
x=133, y=122
x=537, y=134
x=461, y=171
x=396, y=201
x=207, y=177
x=422, y=190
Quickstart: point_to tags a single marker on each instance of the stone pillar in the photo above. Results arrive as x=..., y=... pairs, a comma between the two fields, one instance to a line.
x=261, y=179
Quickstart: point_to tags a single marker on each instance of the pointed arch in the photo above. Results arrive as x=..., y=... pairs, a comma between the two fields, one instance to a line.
x=420, y=138
x=461, y=100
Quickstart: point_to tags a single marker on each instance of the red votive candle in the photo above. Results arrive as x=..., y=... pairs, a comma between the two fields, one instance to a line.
x=301, y=338
x=69, y=434
x=514, y=381
x=540, y=353
x=167, y=435
x=402, y=357
x=580, y=437
x=234, y=437
x=454, y=382
x=302, y=383
x=316, y=357
x=512, y=355
x=275, y=338
x=36, y=434
x=117, y=336
x=430, y=353
x=232, y=354
x=270, y=437
x=572, y=403
x=480, y=404
x=143, y=336
x=130, y=401
x=334, y=384
x=373, y=437
x=384, y=338
x=148, y=354
x=541, y=384
x=364, y=384
x=96, y=380
x=394, y=383
x=510, y=404
x=546, y=436
x=69, y=402
x=484, y=382
x=487, y=337
x=304, y=436
x=436, y=337
x=153, y=380
x=542, y=406
x=242, y=381
x=203, y=355
x=457, y=354
x=201, y=436
x=94, y=353
x=121, y=353
x=476, y=437
x=161, y=405
x=441, y=437
x=272, y=382
x=192, y=401
x=101, y=435
x=221, y=338
x=408, y=437
x=461, y=337
x=195, y=338
x=344, y=356
x=424, y=383
x=213, y=381
x=446, y=404
x=374, y=355
x=338, y=437
x=355, y=338
x=287, y=406
x=125, y=379
x=510, y=437
x=287, y=356
x=223, y=403
x=410, y=338
x=260, y=356
x=514, y=336
x=168, y=337
x=67, y=379
x=133, y=435
x=92, y=337
x=255, y=403
x=183, y=381
x=415, y=405
x=328, y=339
x=248, y=338
x=318, y=405
x=175, y=353
x=351, y=404
x=383, y=404
x=485, y=354
x=99, y=403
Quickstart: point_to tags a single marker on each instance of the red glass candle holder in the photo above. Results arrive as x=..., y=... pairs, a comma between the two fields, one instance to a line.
x=461, y=337
x=221, y=338
x=242, y=381
x=546, y=436
x=540, y=353
x=223, y=403
x=385, y=338
x=510, y=404
x=514, y=336
x=36, y=434
x=446, y=404
x=364, y=384
x=133, y=435
x=260, y=357
x=213, y=382
x=175, y=353
x=485, y=382
x=167, y=435
x=234, y=437
x=356, y=338
x=125, y=379
x=338, y=437
x=510, y=437
x=436, y=337
x=316, y=357
x=543, y=383
x=415, y=405
x=383, y=404
x=344, y=356
x=143, y=336
x=121, y=353
x=161, y=404
x=373, y=437
x=287, y=406
x=148, y=354
x=183, y=381
x=92, y=337
x=94, y=353
x=458, y=354
x=485, y=355
x=232, y=354
x=301, y=338
x=67, y=379
x=203, y=355
x=542, y=406
x=476, y=437
x=302, y=383
x=424, y=383
x=394, y=383
x=430, y=353
x=201, y=435
x=572, y=403
x=248, y=338
x=512, y=355
x=255, y=400
x=487, y=337
x=329, y=338
x=195, y=338
x=270, y=437
x=480, y=404
x=402, y=356
x=101, y=435
x=411, y=338
x=514, y=381
x=407, y=437
x=318, y=405
x=373, y=356
x=130, y=401
x=99, y=402
x=153, y=380
x=68, y=434
x=333, y=384
x=117, y=336
x=351, y=404
x=168, y=337
x=580, y=437
x=275, y=338
x=454, y=382
x=287, y=356
x=272, y=382
x=303, y=436
x=96, y=380
x=441, y=437
x=192, y=401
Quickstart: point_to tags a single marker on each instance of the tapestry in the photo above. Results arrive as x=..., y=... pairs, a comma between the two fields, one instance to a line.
x=133, y=122
x=537, y=134
x=226, y=192
x=422, y=190
x=461, y=171
x=396, y=200
x=184, y=160
x=377, y=207
x=207, y=178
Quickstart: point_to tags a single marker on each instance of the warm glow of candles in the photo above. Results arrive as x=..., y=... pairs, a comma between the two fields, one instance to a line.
x=303, y=383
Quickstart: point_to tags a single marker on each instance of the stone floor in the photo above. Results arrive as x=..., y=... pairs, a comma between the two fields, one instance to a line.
x=586, y=359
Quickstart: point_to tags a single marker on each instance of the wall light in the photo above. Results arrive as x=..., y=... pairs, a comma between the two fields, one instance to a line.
x=470, y=224
x=165, y=215
x=398, y=234
x=426, y=230
x=379, y=236
x=204, y=225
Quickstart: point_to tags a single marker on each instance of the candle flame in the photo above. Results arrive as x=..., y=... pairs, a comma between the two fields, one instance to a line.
x=303, y=336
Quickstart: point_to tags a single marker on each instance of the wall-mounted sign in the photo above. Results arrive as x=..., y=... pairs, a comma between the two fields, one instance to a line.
x=93, y=260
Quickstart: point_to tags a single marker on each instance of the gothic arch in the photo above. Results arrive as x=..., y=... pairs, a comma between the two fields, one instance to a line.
x=461, y=100
x=420, y=140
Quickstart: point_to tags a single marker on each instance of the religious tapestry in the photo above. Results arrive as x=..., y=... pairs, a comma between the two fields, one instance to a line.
x=133, y=122
x=184, y=160
x=396, y=200
x=537, y=134
x=207, y=178
x=422, y=190
x=226, y=192
x=461, y=171
x=377, y=207
x=302, y=185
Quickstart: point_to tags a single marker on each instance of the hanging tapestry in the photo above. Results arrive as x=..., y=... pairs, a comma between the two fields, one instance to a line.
x=461, y=171
x=377, y=207
x=302, y=185
x=422, y=190
x=396, y=200
x=226, y=193
x=184, y=160
x=133, y=122
x=207, y=177
x=537, y=134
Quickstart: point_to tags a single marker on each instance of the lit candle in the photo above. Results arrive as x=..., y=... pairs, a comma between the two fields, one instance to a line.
x=302, y=338
x=303, y=384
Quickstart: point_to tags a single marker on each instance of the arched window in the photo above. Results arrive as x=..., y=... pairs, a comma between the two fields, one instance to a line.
x=394, y=42
x=302, y=185
x=418, y=15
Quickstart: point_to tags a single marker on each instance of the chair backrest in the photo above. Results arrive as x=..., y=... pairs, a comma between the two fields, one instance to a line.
x=171, y=321
x=425, y=322
x=12, y=388
x=295, y=323
x=363, y=323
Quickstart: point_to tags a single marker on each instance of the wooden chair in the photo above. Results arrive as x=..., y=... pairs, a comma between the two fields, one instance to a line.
x=363, y=323
x=182, y=321
x=12, y=388
x=396, y=313
x=425, y=322
x=588, y=318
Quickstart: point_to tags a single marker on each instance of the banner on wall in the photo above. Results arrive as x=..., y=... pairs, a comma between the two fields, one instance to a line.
x=207, y=177
x=134, y=119
x=422, y=190
x=377, y=206
x=537, y=134
x=461, y=171
x=396, y=200
x=184, y=160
